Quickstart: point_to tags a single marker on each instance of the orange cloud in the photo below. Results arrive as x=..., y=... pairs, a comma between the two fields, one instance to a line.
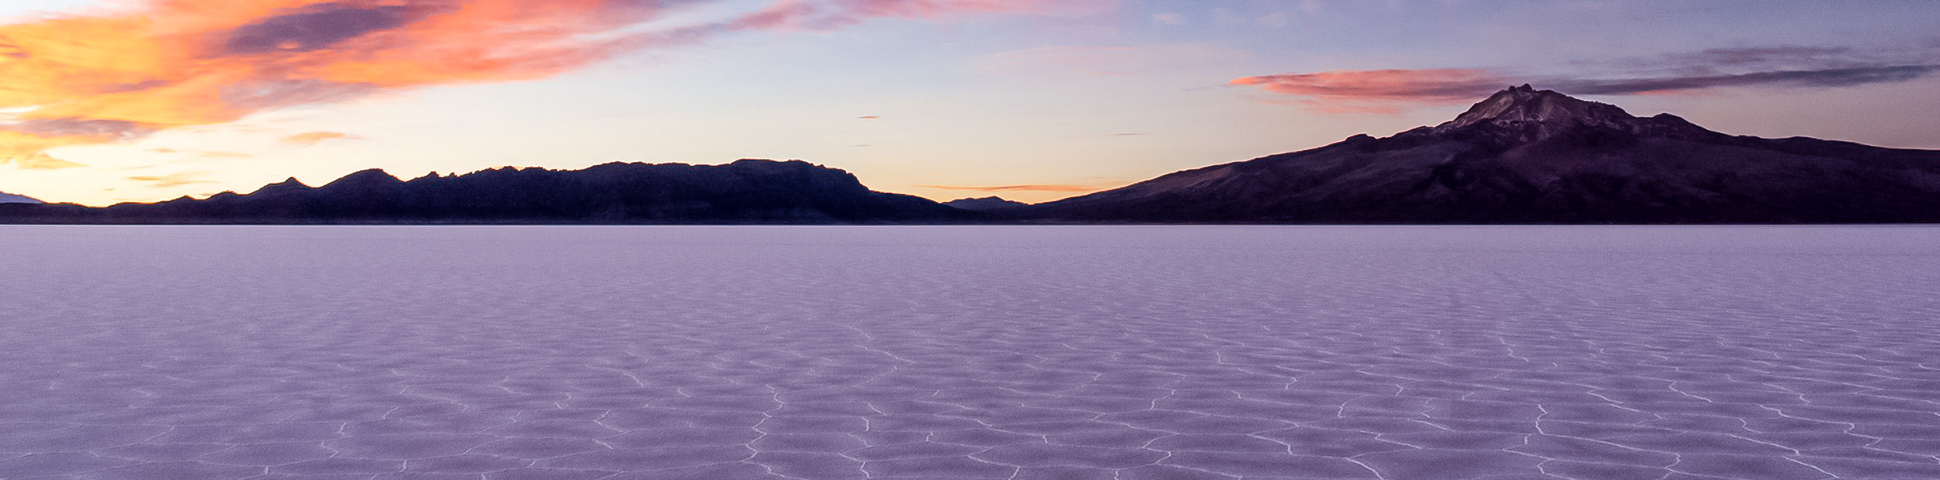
x=171, y=180
x=25, y=150
x=313, y=138
x=173, y=63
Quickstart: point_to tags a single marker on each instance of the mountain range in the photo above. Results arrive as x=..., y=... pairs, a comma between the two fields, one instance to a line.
x=1521, y=156
x=743, y=192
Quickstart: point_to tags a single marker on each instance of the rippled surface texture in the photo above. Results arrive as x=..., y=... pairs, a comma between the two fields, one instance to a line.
x=970, y=352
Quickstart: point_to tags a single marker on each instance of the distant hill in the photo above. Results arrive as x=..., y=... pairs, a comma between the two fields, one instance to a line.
x=746, y=191
x=1538, y=156
x=11, y=198
x=986, y=204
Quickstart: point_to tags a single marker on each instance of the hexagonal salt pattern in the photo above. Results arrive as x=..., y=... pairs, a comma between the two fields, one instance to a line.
x=969, y=352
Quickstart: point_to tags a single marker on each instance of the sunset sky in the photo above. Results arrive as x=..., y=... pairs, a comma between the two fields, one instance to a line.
x=1033, y=100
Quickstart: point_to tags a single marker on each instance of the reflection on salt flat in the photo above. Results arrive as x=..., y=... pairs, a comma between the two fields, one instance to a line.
x=969, y=352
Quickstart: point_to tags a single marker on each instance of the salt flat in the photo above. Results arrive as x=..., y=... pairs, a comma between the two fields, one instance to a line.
x=969, y=352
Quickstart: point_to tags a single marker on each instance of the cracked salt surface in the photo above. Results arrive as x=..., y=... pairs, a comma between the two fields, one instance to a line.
x=969, y=352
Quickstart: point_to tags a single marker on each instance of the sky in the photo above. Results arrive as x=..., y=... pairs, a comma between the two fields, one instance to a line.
x=1032, y=100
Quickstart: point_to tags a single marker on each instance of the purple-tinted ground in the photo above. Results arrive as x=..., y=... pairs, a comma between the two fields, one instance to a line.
x=969, y=352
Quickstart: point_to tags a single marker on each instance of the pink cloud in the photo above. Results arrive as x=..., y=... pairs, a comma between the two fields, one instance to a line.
x=1443, y=85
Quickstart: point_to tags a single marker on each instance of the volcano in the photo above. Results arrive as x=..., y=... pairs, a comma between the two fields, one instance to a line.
x=1541, y=157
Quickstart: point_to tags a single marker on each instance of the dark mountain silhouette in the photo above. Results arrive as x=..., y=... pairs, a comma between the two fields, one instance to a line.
x=986, y=204
x=1521, y=156
x=11, y=198
x=746, y=191
x=1538, y=156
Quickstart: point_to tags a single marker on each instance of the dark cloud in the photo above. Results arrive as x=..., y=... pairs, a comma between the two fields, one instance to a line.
x=1760, y=67
x=1783, y=65
x=314, y=27
x=1760, y=55
x=1726, y=61
x=1828, y=78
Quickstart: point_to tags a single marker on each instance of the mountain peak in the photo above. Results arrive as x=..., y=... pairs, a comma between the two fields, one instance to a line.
x=374, y=176
x=1548, y=110
x=292, y=184
x=986, y=204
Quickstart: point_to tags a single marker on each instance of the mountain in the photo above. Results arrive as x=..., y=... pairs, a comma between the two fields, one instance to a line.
x=1538, y=156
x=986, y=204
x=11, y=198
x=746, y=191
x=1521, y=156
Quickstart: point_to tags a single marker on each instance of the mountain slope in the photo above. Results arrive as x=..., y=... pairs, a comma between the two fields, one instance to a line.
x=11, y=198
x=1529, y=156
x=746, y=191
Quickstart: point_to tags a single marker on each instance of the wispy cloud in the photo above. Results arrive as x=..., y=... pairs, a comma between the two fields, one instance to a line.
x=1780, y=67
x=221, y=154
x=800, y=15
x=1760, y=57
x=25, y=151
x=1376, y=90
x=1826, y=78
x=201, y=153
x=170, y=180
x=1109, y=61
x=1013, y=188
x=313, y=138
x=111, y=77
